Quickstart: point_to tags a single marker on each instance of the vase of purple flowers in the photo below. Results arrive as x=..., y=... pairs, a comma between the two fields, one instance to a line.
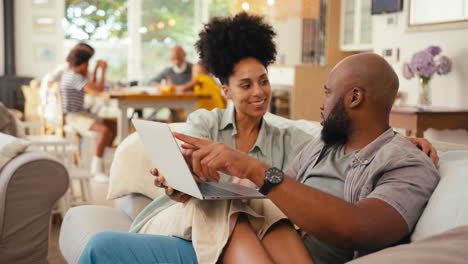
x=424, y=64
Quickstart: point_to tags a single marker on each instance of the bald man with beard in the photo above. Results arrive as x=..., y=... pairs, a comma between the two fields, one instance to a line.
x=385, y=180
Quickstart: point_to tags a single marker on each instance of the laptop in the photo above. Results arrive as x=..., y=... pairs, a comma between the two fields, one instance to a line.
x=166, y=156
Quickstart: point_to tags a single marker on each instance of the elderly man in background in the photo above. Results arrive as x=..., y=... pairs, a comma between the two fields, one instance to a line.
x=180, y=73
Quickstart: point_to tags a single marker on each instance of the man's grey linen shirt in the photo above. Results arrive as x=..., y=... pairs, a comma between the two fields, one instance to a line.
x=390, y=169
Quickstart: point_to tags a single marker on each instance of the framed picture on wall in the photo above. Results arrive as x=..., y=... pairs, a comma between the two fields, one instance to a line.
x=44, y=24
x=44, y=52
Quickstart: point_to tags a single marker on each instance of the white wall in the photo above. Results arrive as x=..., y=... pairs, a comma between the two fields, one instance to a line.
x=28, y=39
x=447, y=90
x=289, y=41
x=2, y=60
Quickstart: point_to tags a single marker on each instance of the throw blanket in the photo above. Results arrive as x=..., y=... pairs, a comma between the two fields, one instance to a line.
x=209, y=223
x=10, y=147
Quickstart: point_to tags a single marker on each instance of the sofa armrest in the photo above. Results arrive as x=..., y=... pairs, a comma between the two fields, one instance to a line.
x=83, y=222
x=30, y=184
x=132, y=204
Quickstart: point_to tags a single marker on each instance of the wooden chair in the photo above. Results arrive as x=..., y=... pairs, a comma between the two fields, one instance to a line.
x=52, y=116
x=67, y=145
x=32, y=101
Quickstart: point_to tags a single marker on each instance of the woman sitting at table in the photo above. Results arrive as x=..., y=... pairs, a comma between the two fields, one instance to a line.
x=73, y=85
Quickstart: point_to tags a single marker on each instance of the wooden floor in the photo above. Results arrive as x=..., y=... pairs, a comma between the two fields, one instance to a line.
x=99, y=192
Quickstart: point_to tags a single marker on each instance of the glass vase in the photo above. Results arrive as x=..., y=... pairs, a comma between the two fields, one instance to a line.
x=424, y=98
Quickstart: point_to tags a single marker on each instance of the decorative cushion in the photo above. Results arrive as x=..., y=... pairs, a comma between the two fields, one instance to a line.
x=130, y=169
x=448, y=205
x=10, y=147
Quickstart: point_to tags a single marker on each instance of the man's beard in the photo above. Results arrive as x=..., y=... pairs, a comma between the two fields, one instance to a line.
x=336, y=128
x=180, y=69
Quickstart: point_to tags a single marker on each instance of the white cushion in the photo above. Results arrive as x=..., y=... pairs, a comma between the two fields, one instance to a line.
x=458, y=136
x=6, y=139
x=130, y=169
x=447, y=146
x=10, y=147
x=448, y=205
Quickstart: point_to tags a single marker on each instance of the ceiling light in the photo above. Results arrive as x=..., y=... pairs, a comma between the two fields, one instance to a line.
x=245, y=6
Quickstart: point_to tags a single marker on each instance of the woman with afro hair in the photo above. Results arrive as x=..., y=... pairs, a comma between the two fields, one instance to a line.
x=237, y=50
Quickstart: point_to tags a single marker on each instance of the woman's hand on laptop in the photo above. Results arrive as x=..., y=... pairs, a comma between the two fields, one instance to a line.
x=209, y=157
x=173, y=194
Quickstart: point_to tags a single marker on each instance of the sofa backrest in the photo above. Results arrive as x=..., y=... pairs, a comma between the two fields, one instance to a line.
x=448, y=206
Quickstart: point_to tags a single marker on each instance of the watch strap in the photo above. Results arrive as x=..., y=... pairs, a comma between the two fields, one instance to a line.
x=266, y=187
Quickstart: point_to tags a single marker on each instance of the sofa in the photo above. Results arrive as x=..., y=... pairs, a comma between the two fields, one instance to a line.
x=131, y=185
x=30, y=185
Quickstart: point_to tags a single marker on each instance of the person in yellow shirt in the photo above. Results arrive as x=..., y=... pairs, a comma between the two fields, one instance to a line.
x=206, y=85
x=203, y=84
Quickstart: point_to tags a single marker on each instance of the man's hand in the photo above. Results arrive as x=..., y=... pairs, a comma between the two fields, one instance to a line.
x=209, y=157
x=427, y=148
x=173, y=194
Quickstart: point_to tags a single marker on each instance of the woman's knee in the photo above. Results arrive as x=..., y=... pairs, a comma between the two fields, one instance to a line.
x=96, y=247
x=101, y=240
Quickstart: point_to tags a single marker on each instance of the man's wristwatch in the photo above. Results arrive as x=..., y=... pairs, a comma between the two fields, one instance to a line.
x=273, y=177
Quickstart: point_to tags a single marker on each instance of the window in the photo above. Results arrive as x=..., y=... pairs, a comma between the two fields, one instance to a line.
x=165, y=23
x=138, y=49
x=103, y=25
x=135, y=36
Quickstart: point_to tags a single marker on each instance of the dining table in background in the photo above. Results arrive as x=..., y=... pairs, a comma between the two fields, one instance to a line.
x=148, y=97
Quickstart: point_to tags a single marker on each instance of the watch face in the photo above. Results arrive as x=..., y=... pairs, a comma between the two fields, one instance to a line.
x=276, y=179
x=274, y=175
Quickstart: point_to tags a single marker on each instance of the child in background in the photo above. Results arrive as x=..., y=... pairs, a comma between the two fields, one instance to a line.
x=201, y=84
x=205, y=85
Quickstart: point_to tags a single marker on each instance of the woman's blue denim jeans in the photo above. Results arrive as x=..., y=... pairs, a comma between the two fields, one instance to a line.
x=126, y=248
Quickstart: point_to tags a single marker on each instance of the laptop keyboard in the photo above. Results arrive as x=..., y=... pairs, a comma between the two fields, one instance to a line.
x=209, y=190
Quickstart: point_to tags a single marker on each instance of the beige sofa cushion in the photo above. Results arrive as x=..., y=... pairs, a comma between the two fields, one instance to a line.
x=129, y=172
x=10, y=147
